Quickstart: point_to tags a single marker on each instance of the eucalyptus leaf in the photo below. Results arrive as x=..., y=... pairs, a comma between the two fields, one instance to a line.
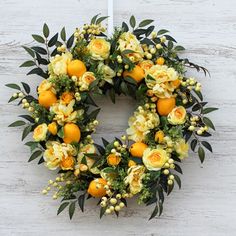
x=145, y=23
x=38, y=38
x=45, y=30
x=35, y=155
x=13, y=86
x=62, y=207
x=17, y=123
x=71, y=209
x=201, y=154
x=132, y=21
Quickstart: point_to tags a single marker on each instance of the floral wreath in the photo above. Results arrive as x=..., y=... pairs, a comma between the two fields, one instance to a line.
x=141, y=63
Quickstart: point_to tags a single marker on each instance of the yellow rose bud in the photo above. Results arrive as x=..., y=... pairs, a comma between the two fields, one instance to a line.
x=52, y=128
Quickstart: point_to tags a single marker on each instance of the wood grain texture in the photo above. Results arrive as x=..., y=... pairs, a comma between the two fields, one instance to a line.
x=206, y=204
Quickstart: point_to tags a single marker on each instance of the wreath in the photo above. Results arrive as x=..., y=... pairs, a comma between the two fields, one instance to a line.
x=136, y=61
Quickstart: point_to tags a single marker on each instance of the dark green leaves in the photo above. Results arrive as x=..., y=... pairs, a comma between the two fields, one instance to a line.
x=63, y=34
x=201, y=154
x=81, y=200
x=132, y=21
x=70, y=41
x=28, y=64
x=35, y=155
x=45, y=30
x=53, y=40
x=17, y=123
x=209, y=109
x=29, y=51
x=145, y=23
x=100, y=19
x=154, y=213
x=193, y=144
x=26, y=87
x=13, y=86
x=162, y=31
x=72, y=209
x=208, y=122
x=62, y=207
x=38, y=38
x=179, y=48
x=26, y=131
x=207, y=145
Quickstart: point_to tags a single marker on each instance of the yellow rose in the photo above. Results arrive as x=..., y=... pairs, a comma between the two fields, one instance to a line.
x=86, y=79
x=67, y=97
x=67, y=163
x=106, y=72
x=141, y=123
x=45, y=85
x=177, y=116
x=146, y=64
x=99, y=49
x=40, y=132
x=154, y=159
x=128, y=41
x=159, y=78
x=134, y=178
x=58, y=64
x=181, y=147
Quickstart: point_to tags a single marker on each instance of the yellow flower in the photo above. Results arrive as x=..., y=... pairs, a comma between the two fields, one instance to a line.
x=52, y=128
x=86, y=79
x=67, y=163
x=154, y=159
x=65, y=113
x=106, y=72
x=177, y=116
x=59, y=154
x=128, y=41
x=141, y=123
x=45, y=85
x=67, y=97
x=159, y=78
x=40, y=132
x=99, y=49
x=146, y=64
x=134, y=178
x=181, y=147
x=58, y=64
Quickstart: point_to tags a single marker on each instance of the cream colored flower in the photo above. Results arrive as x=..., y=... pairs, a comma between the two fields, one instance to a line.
x=86, y=79
x=40, y=132
x=99, y=49
x=181, y=147
x=58, y=64
x=159, y=78
x=141, y=123
x=128, y=41
x=154, y=159
x=177, y=116
x=106, y=72
x=65, y=113
x=57, y=154
x=46, y=85
x=146, y=64
x=134, y=178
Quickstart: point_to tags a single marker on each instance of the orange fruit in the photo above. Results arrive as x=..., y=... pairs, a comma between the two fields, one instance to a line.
x=47, y=98
x=113, y=159
x=159, y=136
x=96, y=187
x=160, y=61
x=165, y=106
x=137, y=73
x=52, y=128
x=67, y=163
x=71, y=133
x=176, y=83
x=76, y=68
x=137, y=149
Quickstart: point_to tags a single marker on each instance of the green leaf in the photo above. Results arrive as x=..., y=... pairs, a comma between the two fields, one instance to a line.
x=93, y=20
x=170, y=45
x=127, y=51
x=179, y=48
x=37, y=71
x=102, y=211
x=11, y=99
x=81, y=200
x=154, y=213
x=35, y=155
x=93, y=114
x=201, y=154
x=149, y=30
x=27, y=64
x=193, y=144
x=124, y=88
x=125, y=27
x=207, y=145
x=162, y=31
x=38, y=38
x=132, y=21
x=26, y=131
x=27, y=117
x=178, y=180
x=92, y=155
x=45, y=30
x=130, y=80
x=70, y=41
x=13, y=86
x=63, y=34
x=145, y=23
x=208, y=122
x=30, y=51
x=209, y=109
x=26, y=87
x=53, y=40
x=40, y=50
x=112, y=95
x=105, y=142
x=60, y=133
x=99, y=20
x=168, y=37
x=62, y=207
x=17, y=123
x=199, y=94
x=71, y=209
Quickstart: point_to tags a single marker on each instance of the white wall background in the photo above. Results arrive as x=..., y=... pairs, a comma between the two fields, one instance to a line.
x=206, y=205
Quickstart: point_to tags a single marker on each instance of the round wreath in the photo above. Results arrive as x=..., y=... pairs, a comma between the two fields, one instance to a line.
x=141, y=63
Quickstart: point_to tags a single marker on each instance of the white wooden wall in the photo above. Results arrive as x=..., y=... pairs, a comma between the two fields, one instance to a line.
x=206, y=205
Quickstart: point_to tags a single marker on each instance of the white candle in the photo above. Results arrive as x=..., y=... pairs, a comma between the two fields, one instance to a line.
x=110, y=18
